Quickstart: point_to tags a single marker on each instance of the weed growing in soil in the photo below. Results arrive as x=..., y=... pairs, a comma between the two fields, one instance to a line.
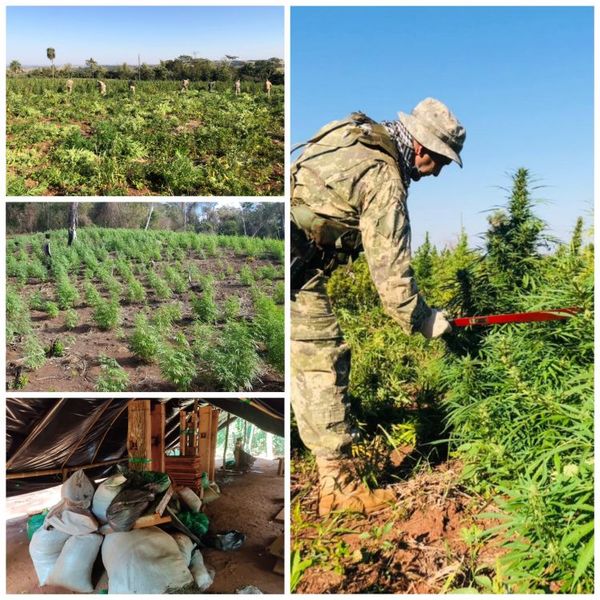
x=177, y=363
x=112, y=377
x=107, y=314
x=145, y=341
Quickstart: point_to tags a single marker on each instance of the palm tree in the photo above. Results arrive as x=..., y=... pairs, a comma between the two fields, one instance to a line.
x=15, y=67
x=51, y=54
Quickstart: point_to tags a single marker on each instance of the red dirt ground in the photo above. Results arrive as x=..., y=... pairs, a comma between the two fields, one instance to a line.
x=248, y=503
x=78, y=369
x=414, y=546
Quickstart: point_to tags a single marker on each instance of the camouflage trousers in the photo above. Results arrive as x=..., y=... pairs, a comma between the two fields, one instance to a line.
x=320, y=367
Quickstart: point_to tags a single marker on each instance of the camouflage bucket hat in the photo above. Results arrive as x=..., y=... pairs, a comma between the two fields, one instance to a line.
x=433, y=125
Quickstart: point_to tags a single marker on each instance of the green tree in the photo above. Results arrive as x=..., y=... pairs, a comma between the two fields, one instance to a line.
x=15, y=67
x=51, y=54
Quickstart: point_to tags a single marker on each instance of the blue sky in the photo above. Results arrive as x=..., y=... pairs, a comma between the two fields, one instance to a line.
x=116, y=34
x=520, y=80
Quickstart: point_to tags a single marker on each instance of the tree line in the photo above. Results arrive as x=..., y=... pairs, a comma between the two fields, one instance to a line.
x=255, y=219
x=182, y=67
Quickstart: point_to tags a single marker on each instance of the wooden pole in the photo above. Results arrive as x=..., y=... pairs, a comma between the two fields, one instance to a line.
x=29, y=474
x=157, y=415
x=226, y=442
x=182, y=433
x=139, y=435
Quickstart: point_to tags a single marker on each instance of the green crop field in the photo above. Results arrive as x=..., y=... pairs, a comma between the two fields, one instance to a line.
x=134, y=310
x=159, y=141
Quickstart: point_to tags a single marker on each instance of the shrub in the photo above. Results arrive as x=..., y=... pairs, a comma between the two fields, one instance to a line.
x=34, y=354
x=66, y=293
x=205, y=307
x=56, y=349
x=246, y=275
x=135, y=291
x=165, y=316
x=107, y=314
x=269, y=325
x=112, y=377
x=279, y=293
x=232, y=308
x=145, y=341
x=52, y=309
x=71, y=318
x=177, y=363
x=234, y=361
x=92, y=295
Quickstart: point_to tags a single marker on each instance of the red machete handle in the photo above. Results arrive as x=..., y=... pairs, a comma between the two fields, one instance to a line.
x=558, y=314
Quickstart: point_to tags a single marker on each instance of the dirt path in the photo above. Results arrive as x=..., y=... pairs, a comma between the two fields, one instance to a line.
x=248, y=503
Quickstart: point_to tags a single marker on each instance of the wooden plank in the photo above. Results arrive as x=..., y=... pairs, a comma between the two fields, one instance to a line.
x=157, y=416
x=160, y=509
x=277, y=547
x=279, y=567
x=280, y=516
x=139, y=435
x=150, y=521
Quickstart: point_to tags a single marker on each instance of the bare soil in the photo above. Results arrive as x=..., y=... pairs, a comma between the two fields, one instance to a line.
x=415, y=546
x=78, y=369
x=248, y=503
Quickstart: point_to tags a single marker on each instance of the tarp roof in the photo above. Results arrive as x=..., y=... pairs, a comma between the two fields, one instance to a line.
x=48, y=434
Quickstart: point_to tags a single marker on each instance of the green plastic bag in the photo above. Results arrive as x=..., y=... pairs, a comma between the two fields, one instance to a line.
x=197, y=523
x=35, y=522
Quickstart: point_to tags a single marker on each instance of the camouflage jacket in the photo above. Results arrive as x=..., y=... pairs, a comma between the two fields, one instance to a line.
x=349, y=175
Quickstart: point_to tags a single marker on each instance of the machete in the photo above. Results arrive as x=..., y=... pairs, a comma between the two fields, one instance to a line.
x=558, y=314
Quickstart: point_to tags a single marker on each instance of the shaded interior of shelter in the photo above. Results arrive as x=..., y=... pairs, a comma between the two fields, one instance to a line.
x=48, y=439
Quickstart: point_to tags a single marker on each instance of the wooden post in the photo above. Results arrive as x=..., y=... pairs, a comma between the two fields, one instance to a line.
x=139, y=435
x=204, y=439
x=226, y=442
x=214, y=429
x=158, y=437
x=182, y=434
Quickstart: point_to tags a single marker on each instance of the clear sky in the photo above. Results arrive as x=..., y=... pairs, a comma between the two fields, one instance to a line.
x=520, y=80
x=116, y=34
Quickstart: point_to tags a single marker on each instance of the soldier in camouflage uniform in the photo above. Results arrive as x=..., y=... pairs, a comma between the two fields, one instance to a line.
x=349, y=191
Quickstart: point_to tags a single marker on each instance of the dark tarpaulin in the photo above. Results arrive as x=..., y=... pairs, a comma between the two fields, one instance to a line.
x=45, y=433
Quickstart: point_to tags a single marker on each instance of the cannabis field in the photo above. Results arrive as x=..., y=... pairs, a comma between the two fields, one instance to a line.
x=134, y=310
x=486, y=435
x=157, y=142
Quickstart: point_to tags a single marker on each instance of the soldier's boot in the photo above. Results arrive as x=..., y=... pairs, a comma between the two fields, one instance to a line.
x=339, y=490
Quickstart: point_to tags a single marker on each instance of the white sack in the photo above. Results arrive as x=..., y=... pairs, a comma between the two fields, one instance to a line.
x=71, y=519
x=73, y=569
x=186, y=546
x=203, y=575
x=143, y=561
x=78, y=489
x=45, y=548
x=105, y=494
x=190, y=499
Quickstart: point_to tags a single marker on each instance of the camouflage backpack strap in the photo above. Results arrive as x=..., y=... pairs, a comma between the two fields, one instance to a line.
x=353, y=119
